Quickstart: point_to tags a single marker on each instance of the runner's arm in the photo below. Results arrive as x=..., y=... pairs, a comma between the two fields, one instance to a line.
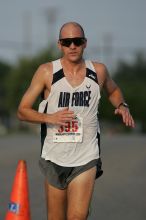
x=25, y=109
x=115, y=95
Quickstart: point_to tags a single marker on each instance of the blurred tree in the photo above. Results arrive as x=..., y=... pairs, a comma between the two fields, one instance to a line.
x=132, y=80
x=130, y=77
x=4, y=75
x=21, y=75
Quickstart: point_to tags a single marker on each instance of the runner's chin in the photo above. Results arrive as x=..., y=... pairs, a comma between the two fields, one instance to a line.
x=74, y=57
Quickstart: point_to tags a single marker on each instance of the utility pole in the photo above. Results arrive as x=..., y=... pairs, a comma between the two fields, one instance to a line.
x=51, y=17
x=107, y=49
x=27, y=32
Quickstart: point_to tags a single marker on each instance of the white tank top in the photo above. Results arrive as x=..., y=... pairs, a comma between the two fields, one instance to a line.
x=77, y=143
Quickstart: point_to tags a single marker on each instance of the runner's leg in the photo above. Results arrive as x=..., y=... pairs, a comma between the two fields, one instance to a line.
x=56, y=202
x=79, y=193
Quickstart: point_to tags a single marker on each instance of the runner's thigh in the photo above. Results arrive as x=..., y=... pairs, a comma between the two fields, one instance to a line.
x=56, y=202
x=79, y=193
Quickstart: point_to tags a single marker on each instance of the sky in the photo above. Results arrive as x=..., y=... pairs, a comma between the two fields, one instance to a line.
x=114, y=28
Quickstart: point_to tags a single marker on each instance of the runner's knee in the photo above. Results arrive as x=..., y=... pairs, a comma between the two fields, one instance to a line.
x=75, y=216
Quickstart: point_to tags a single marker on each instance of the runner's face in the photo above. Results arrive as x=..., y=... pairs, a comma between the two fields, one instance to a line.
x=72, y=52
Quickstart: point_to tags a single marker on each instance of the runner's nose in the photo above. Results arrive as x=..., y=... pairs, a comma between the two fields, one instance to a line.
x=72, y=45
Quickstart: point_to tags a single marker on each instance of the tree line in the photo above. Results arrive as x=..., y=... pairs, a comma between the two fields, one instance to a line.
x=131, y=77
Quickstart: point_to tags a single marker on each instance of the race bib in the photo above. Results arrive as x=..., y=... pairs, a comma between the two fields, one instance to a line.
x=72, y=132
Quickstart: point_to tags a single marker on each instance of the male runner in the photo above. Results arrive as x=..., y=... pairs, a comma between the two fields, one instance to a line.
x=70, y=157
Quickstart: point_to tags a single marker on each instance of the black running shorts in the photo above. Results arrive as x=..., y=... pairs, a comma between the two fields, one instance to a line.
x=60, y=176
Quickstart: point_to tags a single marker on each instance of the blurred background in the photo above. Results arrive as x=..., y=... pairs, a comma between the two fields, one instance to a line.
x=116, y=33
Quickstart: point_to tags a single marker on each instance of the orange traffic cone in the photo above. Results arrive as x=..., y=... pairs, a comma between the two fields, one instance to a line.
x=19, y=201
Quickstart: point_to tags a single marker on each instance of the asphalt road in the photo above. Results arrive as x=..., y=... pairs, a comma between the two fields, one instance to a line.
x=120, y=194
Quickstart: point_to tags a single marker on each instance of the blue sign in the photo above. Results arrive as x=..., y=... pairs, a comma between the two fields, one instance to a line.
x=14, y=207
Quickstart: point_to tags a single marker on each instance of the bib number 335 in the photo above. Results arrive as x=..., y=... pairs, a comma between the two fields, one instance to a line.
x=71, y=126
x=71, y=132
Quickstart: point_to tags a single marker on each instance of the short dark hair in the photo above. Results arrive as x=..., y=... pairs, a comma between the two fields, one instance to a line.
x=73, y=23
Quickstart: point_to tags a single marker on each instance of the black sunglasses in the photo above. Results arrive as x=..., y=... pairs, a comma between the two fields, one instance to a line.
x=78, y=41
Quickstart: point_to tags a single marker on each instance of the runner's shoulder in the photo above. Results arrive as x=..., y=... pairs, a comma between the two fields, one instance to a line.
x=101, y=71
x=45, y=68
x=44, y=72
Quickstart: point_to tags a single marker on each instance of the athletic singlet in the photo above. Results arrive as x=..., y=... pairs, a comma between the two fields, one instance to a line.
x=78, y=142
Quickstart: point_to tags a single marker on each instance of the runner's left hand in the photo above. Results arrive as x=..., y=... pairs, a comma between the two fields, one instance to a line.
x=126, y=116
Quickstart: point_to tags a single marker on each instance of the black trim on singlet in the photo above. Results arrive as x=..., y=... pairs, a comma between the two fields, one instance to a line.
x=60, y=74
x=57, y=76
x=99, y=167
x=42, y=95
x=92, y=75
x=43, y=130
x=98, y=138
